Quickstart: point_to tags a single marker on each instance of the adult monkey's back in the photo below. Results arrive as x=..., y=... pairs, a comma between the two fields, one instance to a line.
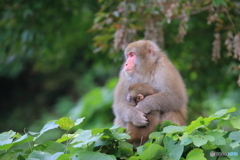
x=146, y=63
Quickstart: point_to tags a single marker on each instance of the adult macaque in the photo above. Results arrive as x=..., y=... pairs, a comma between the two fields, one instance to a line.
x=146, y=63
x=139, y=135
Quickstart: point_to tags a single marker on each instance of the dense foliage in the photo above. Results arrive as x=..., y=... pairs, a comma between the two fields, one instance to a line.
x=50, y=68
x=195, y=141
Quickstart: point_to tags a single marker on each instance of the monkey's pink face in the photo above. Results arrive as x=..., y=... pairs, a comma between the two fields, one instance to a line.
x=130, y=63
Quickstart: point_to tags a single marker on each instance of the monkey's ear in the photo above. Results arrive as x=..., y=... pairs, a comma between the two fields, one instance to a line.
x=150, y=48
x=140, y=97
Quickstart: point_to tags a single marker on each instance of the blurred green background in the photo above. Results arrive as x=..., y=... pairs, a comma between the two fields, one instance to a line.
x=57, y=58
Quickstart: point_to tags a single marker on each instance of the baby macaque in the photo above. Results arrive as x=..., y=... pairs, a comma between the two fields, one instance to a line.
x=139, y=135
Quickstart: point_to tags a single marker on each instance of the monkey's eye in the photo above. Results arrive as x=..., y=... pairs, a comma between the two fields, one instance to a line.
x=131, y=54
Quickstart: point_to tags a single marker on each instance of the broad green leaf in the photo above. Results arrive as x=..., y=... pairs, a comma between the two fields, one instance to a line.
x=186, y=141
x=96, y=131
x=83, y=136
x=194, y=125
x=78, y=121
x=154, y=151
x=218, y=137
x=209, y=146
x=54, y=147
x=8, y=143
x=174, y=149
x=236, y=122
x=222, y=112
x=5, y=145
x=235, y=136
x=66, y=157
x=208, y=120
x=92, y=139
x=234, y=144
x=134, y=158
x=195, y=154
x=7, y=135
x=220, y=123
x=155, y=135
x=94, y=156
x=115, y=135
x=38, y=155
x=65, y=123
x=54, y=156
x=66, y=137
x=125, y=148
x=48, y=126
x=200, y=139
x=6, y=139
x=173, y=129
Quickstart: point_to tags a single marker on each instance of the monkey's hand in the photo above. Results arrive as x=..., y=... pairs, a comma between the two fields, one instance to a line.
x=139, y=119
x=143, y=106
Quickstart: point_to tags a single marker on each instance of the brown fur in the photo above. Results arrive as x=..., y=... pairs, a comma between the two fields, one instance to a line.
x=139, y=135
x=152, y=67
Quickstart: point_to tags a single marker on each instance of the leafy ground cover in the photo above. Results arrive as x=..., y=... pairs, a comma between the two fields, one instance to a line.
x=205, y=138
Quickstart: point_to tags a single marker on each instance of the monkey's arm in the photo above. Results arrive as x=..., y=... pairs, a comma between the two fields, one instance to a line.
x=163, y=101
x=172, y=94
x=123, y=109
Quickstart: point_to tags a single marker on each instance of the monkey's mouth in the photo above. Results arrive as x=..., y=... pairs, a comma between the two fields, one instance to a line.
x=129, y=70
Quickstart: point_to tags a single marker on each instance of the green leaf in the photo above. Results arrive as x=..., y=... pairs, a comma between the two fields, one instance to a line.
x=236, y=122
x=38, y=155
x=6, y=139
x=194, y=125
x=94, y=155
x=155, y=135
x=200, y=139
x=49, y=126
x=7, y=135
x=134, y=158
x=66, y=137
x=112, y=134
x=207, y=121
x=209, y=146
x=222, y=112
x=195, y=154
x=54, y=156
x=67, y=157
x=98, y=130
x=186, y=141
x=84, y=135
x=125, y=148
x=65, y=123
x=218, y=138
x=173, y=129
x=174, y=149
x=153, y=151
x=78, y=121
x=90, y=140
x=54, y=147
x=235, y=136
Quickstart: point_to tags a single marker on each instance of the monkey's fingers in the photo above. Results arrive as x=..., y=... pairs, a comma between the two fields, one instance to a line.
x=140, y=120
